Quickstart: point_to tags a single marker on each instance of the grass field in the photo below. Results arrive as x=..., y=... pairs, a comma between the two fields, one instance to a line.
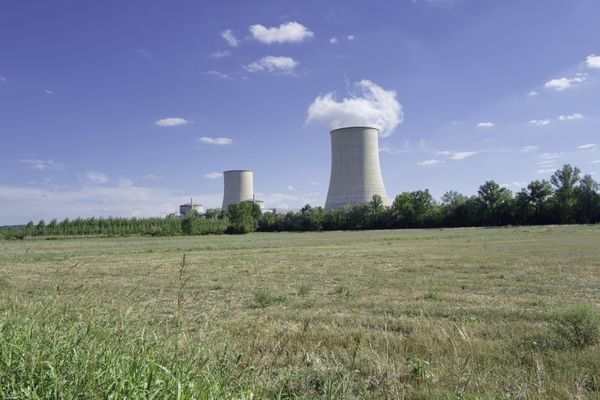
x=453, y=313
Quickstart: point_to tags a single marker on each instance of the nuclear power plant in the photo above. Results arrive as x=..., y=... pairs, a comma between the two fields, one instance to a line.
x=238, y=186
x=355, y=171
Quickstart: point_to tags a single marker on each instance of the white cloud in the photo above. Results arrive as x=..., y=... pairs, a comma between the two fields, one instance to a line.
x=273, y=64
x=593, y=61
x=529, y=149
x=3, y=79
x=42, y=165
x=333, y=40
x=485, y=125
x=291, y=32
x=48, y=91
x=96, y=177
x=587, y=146
x=152, y=177
x=350, y=37
x=570, y=117
x=430, y=162
x=373, y=106
x=545, y=170
x=539, y=122
x=561, y=84
x=124, y=182
x=532, y=93
x=220, y=54
x=216, y=74
x=219, y=141
x=461, y=155
x=213, y=175
x=230, y=38
x=175, y=121
x=595, y=162
x=290, y=187
x=21, y=204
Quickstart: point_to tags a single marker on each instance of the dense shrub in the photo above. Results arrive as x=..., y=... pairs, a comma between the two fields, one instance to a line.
x=577, y=326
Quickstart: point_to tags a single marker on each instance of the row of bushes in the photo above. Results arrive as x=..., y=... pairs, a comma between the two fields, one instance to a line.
x=565, y=199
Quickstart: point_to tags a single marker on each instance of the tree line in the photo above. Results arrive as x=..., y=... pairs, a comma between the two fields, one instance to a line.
x=567, y=198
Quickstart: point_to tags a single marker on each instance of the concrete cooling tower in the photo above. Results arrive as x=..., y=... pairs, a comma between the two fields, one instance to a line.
x=238, y=187
x=355, y=170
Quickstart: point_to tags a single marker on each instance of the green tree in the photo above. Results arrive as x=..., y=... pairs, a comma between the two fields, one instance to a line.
x=495, y=204
x=565, y=180
x=243, y=217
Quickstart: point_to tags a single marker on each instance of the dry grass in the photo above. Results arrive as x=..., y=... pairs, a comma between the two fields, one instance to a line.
x=453, y=313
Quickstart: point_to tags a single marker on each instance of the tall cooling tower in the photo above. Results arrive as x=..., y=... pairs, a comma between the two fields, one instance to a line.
x=238, y=187
x=355, y=171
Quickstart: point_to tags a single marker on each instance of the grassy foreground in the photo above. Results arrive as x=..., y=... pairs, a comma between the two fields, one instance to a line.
x=454, y=313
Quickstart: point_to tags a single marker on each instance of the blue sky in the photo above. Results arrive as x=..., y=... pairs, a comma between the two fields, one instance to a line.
x=131, y=108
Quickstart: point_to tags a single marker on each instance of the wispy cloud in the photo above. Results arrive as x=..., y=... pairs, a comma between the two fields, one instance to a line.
x=152, y=177
x=539, y=122
x=3, y=79
x=529, y=149
x=593, y=61
x=48, y=91
x=595, y=162
x=96, y=177
x=461, y=155
x=570, y=117
x=216, y=74
x=273, y=64
x=42, y=165
x=372, y=106
x=219, y=141
x=533, y=93
x=214, y=175
x=220, y=54
x=587, y=146
x=291, y=32
x=333, y=40
x=291, y=188
x=485, y=125
x=174, y=121
x=430, y=162
x=350, y=37
x=230, y=38
x=561, y=84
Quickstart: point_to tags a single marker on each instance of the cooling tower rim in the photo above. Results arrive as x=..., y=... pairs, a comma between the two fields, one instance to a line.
x=237, y=170
x=354, y=127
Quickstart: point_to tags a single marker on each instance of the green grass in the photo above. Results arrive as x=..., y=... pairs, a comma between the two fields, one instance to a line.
x=452, y=313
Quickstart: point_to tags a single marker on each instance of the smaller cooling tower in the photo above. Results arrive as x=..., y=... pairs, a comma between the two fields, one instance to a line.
x=355, y=170
x=238, y=187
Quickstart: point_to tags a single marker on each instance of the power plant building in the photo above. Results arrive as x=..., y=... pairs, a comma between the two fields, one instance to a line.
x=238, y=187
x=185, y=209
x=355, y=170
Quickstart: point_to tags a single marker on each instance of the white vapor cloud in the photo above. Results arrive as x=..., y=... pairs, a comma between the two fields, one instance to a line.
x=273, y=64
x=219, y=141
x=595, y=162
x=593, y=61
x=96, y=177
x=152, y=177
x=587, y=146
x=220, y=54
x=570, y=117
x=430, y=162
x=48, y=91
x=216, y=74
x=171, y=122
x=41, y=165
x=561, y=84
x=230, y=38
x=539, y=122
x=291, y=188
x=213, y=175
x=291, y=32
x=532, y=93
x=529, y=149
x=333, y=40
x=485, y=125
x=372, y=106
x=3, y=79
x=350, y=37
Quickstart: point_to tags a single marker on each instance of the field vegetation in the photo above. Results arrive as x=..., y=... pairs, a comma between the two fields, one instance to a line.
x=492, y=313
